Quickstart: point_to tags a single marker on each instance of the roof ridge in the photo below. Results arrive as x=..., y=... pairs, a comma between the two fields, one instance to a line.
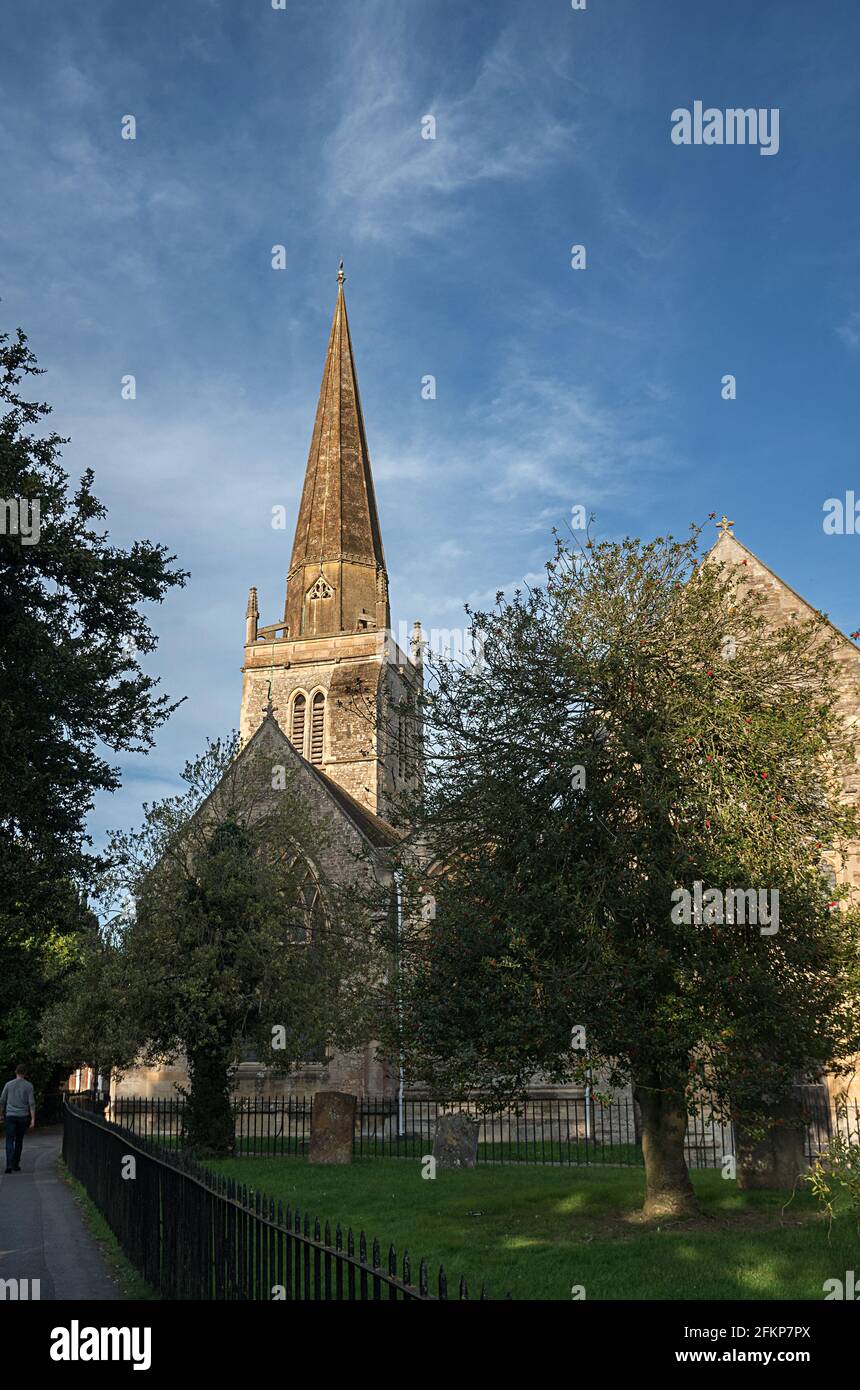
x=730, y=536
x=363, y=819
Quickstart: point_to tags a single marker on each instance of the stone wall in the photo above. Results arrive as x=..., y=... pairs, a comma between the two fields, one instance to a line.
x=784, y=606
x=364, y=677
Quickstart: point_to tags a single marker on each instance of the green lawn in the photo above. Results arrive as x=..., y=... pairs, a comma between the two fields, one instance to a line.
x=414, y=1147
x=537, y=1231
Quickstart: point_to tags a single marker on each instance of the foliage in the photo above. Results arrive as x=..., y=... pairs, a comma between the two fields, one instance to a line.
x=225, y=937
x=70, y=679
x=610, y=749
x=837, y=1170
x=39, y=958
x=71, y=690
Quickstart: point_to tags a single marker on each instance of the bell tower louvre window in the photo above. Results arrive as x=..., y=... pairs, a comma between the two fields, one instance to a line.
x=317, y=727
x=297, y=728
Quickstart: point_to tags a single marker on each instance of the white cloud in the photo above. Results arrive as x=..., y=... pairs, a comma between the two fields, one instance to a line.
x=495, y=127
x=849, y=331
x=553, y=438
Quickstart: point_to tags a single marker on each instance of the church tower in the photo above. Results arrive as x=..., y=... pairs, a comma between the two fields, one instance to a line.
x=341, y=687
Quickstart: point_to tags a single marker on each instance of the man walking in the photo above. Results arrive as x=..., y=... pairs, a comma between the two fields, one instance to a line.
x=18, y=1109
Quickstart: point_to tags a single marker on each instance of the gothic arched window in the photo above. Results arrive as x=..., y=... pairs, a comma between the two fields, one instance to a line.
x=296, y=891
x=297, y=723
x=304, y=914
x=310, y=912
x=317, y=727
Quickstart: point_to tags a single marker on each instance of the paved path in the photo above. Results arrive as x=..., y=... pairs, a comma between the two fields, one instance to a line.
x=42, y=1231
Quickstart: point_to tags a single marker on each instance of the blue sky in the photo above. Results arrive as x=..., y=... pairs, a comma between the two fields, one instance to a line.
x=555, y=387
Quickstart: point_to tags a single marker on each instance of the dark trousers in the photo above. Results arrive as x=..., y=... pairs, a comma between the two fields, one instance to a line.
x=16, y=1128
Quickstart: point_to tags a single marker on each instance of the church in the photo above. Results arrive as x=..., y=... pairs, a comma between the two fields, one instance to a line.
x=328, y=687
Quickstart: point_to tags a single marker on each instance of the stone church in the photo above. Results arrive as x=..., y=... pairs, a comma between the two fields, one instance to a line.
x=327, y=686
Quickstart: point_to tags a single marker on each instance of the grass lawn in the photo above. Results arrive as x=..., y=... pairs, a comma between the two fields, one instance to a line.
x=414, y=1147
x=569, y=1153
x=537, y=1231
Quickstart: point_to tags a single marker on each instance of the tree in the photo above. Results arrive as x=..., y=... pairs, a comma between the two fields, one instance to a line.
x=39, y=958
x=610, y=752
x=70, y=682
x=224, y=935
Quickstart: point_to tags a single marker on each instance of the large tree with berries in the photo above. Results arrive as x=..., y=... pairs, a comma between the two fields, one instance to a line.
x=636, y=742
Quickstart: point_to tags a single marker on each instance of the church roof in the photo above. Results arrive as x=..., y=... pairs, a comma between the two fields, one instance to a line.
x=728, y=550
x=338, y=519
x=373, y=828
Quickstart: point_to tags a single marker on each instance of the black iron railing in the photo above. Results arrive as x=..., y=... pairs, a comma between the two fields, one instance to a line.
x=568, y=1131
x=193, y=1234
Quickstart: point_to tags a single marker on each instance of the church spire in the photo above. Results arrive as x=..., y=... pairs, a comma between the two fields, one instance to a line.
x=337, y=580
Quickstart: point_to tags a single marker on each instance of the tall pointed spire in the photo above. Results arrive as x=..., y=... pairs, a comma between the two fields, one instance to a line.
x=337, y=580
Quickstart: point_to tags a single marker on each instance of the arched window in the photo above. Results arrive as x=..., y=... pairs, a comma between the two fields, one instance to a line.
x=296, y=889
x=297, y=725
x=317, y=727
x=314, y=912
x=308, y=925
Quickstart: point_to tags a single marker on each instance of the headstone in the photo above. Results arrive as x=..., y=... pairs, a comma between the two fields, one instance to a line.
x=456, y=1142
x=776, y=1160
x=332, y=1127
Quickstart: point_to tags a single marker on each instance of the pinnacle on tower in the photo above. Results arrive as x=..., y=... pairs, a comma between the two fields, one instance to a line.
x=252, y=617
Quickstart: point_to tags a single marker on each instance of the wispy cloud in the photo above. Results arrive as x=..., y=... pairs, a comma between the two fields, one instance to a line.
x=493, y=127
x=849, y=331
x=554, y=438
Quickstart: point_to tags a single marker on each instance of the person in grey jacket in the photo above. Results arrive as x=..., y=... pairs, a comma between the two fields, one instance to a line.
x=18, y=1109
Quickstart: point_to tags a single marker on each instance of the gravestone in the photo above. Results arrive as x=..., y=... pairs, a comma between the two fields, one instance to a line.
x=777, y=1159
x=332, y=1127
x=456, y=1142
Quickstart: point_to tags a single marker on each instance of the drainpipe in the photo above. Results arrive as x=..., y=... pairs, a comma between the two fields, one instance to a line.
x=398, y=898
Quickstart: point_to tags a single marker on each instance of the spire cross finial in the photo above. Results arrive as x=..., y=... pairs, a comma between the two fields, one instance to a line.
x=725, y=525
x=340, y=275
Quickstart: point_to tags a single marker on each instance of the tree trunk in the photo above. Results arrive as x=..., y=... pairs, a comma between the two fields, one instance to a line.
x=668, y=1189
x=209, y=1114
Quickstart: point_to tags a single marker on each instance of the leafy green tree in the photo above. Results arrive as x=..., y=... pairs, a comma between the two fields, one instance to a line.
x=225, y=937
x=609, y=750
x=39, y=958
x=71, y=687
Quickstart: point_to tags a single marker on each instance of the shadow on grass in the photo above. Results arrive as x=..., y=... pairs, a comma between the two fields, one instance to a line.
x=539, y=1232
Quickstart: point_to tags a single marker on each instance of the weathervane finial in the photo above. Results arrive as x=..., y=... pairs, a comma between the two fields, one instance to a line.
x=340, y=275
